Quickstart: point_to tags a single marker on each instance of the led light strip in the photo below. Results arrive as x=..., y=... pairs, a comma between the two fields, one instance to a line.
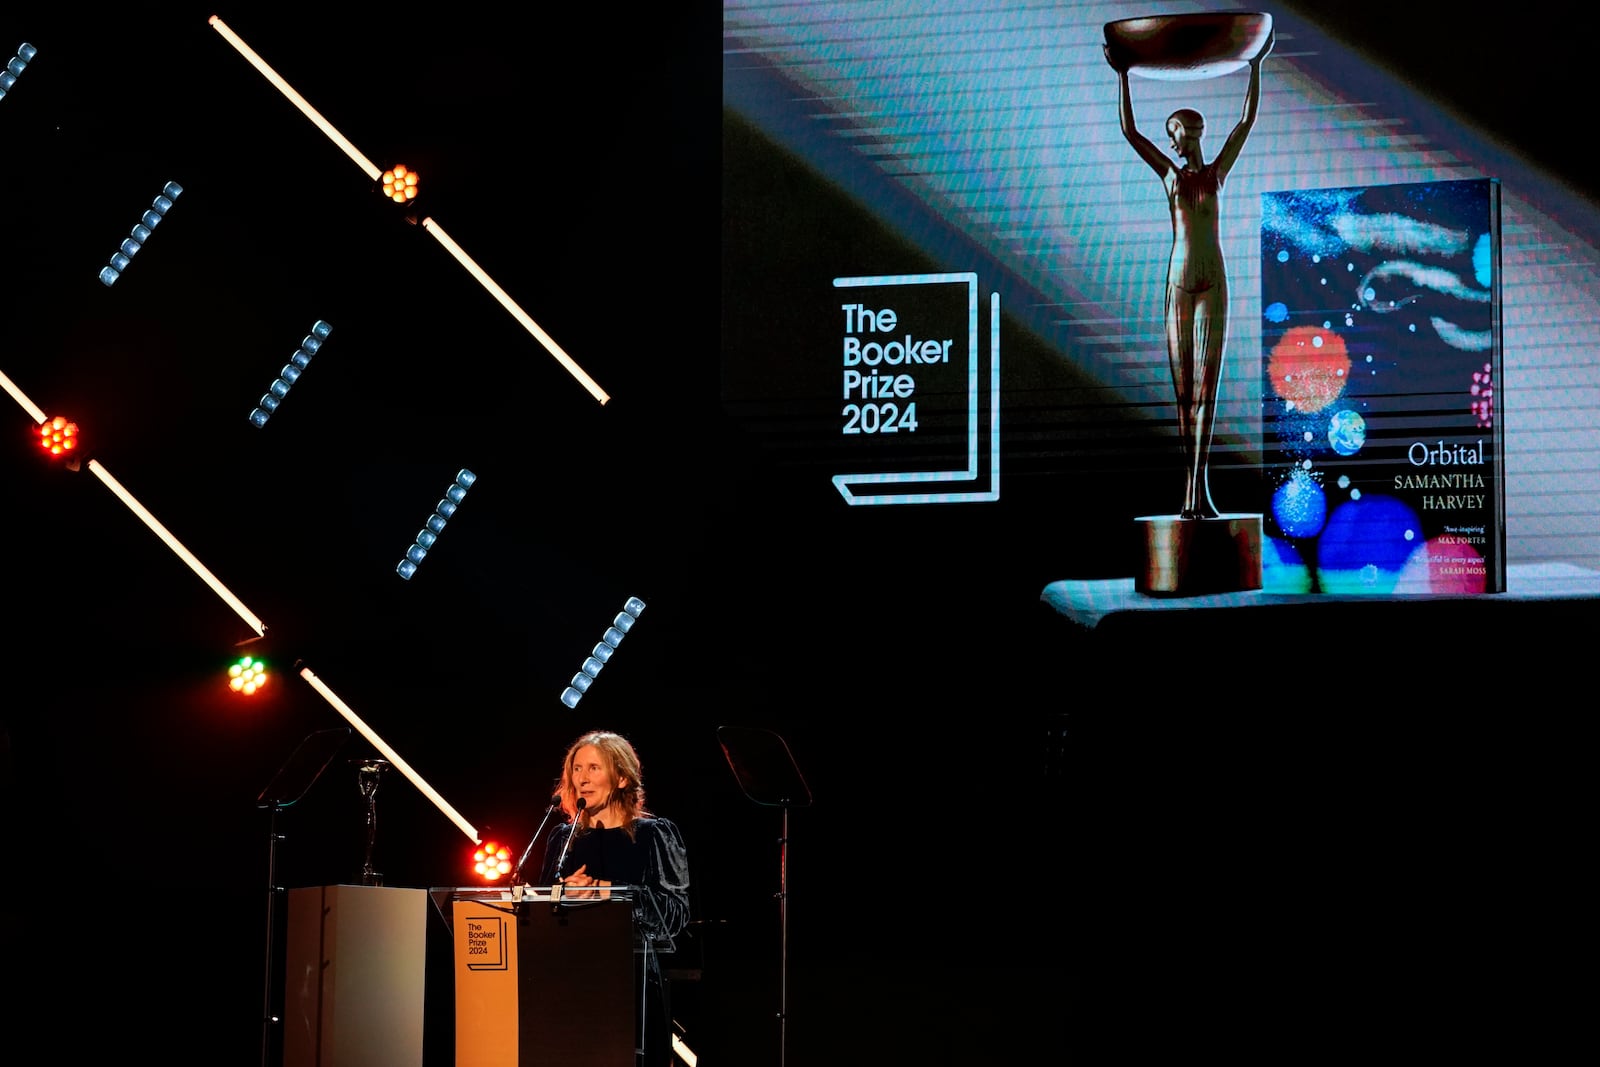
x=428, y=224
x=149, y=520
x=517, y=313
x=20, y=397
x=390, y=754
x=183, y=553
x=295, y=98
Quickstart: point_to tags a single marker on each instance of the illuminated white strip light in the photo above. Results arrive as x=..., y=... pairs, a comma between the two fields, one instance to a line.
x=295, y=98
x=149, y=520
x=516, y=312
x=393, y=757
x=20, y=397
x=684, y=1052
x=428, y=224
x=183, y=553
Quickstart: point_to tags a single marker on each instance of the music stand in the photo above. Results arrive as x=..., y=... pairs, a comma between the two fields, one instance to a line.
x=767, y=773
x=293, y=780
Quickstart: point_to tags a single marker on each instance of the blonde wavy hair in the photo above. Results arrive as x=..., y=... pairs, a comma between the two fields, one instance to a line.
x=623, y=763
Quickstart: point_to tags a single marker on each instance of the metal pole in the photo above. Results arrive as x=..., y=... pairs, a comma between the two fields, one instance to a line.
x=267, y=1018
x=783, y=920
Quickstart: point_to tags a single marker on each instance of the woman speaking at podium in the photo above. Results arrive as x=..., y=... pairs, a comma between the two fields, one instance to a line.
x=612, y=839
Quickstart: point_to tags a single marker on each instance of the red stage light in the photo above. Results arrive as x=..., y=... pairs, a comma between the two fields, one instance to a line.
x=58, y=436
x=491, y=861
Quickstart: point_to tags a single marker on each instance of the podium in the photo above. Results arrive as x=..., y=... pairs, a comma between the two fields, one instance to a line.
x=355, y=976
x=542, y=981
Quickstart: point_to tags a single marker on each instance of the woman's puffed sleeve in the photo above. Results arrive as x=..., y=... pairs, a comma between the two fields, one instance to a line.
x=666, y=912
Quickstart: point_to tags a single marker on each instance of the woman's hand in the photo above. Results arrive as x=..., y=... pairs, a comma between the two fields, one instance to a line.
x=579, y=886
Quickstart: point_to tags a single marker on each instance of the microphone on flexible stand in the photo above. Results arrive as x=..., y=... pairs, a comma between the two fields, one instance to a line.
x=573, y=832
x=516, y=872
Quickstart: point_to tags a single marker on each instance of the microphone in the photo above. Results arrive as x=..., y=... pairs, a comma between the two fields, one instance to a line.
x=516, y=872
x=570, y=835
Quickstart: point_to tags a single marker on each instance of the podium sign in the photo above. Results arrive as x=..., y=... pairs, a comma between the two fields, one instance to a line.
x=486, y=983
x=542, y=983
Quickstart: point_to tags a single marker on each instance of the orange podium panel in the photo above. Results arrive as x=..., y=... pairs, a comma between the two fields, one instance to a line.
x=542, y=983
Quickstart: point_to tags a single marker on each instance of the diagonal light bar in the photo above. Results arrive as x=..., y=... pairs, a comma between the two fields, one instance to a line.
x=516, y=312
x=183, y=553
x=149, y=520
x=20, y=397
x=428, y=224
x=393, y=757
x=295, y=98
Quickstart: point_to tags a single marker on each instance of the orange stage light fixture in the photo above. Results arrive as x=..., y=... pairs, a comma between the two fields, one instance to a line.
x=58, y=436
x=400, y=184
x=247, y=676
x=602, y=652
x=491, y=861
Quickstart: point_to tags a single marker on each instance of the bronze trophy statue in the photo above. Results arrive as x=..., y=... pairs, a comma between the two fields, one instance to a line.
x=1199, y=549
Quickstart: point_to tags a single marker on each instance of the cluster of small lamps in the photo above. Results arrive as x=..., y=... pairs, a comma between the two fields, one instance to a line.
x=247, y=676
x=400, y=184
x=491, y=861
x=58, y=436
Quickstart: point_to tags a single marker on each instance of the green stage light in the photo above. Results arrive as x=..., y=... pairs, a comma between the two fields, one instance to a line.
x=247, y=676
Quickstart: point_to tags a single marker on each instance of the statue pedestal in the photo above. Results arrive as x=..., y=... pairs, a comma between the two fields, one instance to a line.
x=1191, y=557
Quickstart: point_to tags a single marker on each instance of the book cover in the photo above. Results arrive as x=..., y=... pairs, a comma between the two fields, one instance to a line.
x=1381, y=363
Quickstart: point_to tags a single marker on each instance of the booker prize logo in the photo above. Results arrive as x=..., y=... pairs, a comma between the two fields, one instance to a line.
x=912, y=382
x=486, y=943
